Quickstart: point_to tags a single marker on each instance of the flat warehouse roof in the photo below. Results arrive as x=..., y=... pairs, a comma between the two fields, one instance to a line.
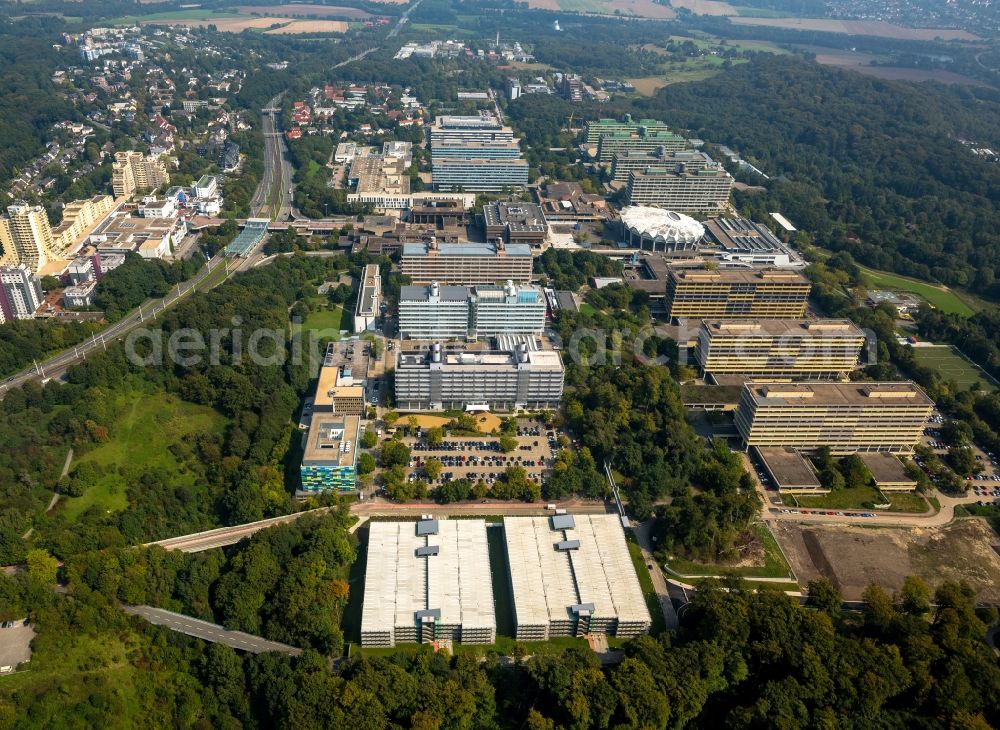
x=410, y=575
x=886, y=469
x=548, y=582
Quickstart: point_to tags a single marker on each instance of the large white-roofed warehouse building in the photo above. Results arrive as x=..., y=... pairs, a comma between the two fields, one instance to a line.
x=656, y=229
x=572, y=575
x=428, y=581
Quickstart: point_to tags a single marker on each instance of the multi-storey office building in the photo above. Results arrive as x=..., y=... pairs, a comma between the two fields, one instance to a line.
x=626, y=125
x=501, y=380
x=736, y=294
x=20, y=293
x=466, y=263
x=780, y=348
x=482, y=128
x=369, y=297
x=457, y=312
x=571, y=575
x=846, y=417
x=515, y=223
x=330, y=453
x=433, y=312
x=470, y=150
x=624, y=162
x=428, y=581
x=697, y=191
x=479, y=174
x=642, y=141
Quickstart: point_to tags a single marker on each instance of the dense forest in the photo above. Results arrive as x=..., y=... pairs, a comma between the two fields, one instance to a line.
x=742, y=658
x=868, y=166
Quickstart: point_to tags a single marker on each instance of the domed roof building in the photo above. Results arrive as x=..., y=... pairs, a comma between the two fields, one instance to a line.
x=656, y=229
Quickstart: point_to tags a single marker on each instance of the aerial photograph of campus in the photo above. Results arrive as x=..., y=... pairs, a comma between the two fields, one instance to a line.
x=499, y=364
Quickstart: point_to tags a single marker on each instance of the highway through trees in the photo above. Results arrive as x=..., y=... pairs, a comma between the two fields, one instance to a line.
x=209, y=631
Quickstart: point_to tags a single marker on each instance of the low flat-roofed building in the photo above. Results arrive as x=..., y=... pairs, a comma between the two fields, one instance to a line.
x=330, y=453
x=572, y=578
x=889, y=473
x=504, y=380
x=790, y=471
x=846, y=417
x=337, y=394
x=515, y=223
x=733, y=294
x=466, y=263
x=566, y=202
x=369, y=298
x=440, y=214
x=151, y=238
x=424, y=586
x=79, y=295
x=780, y=348
x=741, y=242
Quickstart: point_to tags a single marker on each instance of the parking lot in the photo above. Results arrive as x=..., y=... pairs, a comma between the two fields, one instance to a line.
x=15, y=644
x=480, y=457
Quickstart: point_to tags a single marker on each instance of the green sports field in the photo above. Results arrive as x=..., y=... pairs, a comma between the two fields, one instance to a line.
x=937, y=296
x=952, y=366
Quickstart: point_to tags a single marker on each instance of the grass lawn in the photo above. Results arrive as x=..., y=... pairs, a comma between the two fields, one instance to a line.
x=952, y=366
x=142, y=435
x=646, y=583
x=854, y=499
x=588, y=309
x=775, y=565
x=937, y=296
x=325, y=322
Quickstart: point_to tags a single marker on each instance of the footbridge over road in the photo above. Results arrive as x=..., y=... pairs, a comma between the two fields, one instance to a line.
x=209, y=631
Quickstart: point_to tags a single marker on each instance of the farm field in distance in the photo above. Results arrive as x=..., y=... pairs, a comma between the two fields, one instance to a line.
x=637, y=8
x=876, y=28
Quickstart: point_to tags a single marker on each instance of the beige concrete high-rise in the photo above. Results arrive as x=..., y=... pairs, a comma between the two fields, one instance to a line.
x=26, y=237
x=133, y=171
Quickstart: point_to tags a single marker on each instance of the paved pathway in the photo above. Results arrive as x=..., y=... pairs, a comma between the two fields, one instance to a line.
x=644, y=538
x=209, y=631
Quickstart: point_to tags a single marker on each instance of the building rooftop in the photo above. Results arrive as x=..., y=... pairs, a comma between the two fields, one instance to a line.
x=737, y=276
x=789, y=468
x=836, y=394
x=786, y=328
x=887, y=469
x=662, y=224
x=740, y=234
x=479, y=360
x=519, y=217
x=332, y=440
x=467, y=249
x=593, y=568
x=422, y=293
x=443, y=576
x=370, y=284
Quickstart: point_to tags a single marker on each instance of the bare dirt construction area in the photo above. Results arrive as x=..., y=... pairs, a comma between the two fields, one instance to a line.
x=305, y=10
x=877, y=28
x=854, y=557
x=310, y=26
x=706, y=7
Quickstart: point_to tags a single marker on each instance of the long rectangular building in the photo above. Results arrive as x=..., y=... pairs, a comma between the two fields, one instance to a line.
x=696, y=191
x=478, y=174
x=515, y=380
x=330, y=453
x=466, y=263
x=571, y=575
x=624, y=162
x=432, y=311
x=846, y=417
x=428, y=581
x=602, y=127
x=783, y=348
x=369, y=296
x=737, y=294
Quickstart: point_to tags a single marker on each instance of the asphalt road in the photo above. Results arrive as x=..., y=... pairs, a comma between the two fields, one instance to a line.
x=58, y=364
x=209, y=632
x=222, y=536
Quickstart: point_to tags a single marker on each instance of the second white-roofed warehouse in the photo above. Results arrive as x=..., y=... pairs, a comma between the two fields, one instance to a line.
x=572, y=575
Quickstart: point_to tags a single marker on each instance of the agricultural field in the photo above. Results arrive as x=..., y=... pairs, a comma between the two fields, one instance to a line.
x=853, y=557
x=877, y=28
x=696, y=69
x=706, y=7
x=310, y=26
x=304, y=10
x=936, y=295
x=637, y=8
x=952, y=366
